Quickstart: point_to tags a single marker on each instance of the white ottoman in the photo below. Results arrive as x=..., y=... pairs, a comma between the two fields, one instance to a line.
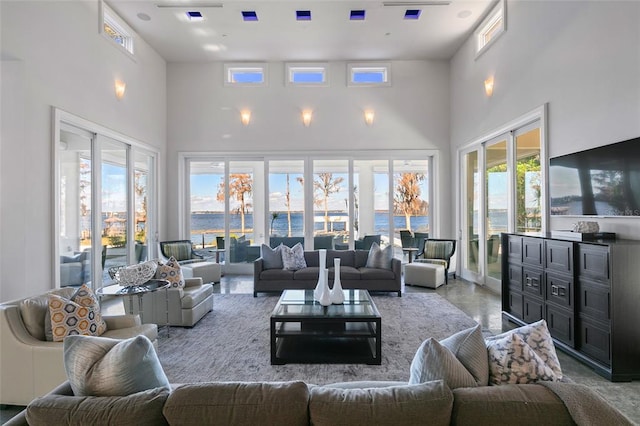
x=209, y=271
x=424, y=274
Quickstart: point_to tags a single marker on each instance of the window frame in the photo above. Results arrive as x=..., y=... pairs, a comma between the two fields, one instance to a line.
x=354, y=67
x=110, y=17
x=497, y=15
x=248, y=66
x=292, y=67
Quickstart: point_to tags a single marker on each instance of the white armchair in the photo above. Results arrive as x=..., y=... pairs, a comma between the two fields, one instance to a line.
x=30, y=366
x=185, y=306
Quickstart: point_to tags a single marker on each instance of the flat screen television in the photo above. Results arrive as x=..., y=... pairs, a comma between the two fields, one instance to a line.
x=603, y=181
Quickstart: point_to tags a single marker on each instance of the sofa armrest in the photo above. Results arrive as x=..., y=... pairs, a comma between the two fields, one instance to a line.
x=258, y=266
x=193, y=282
x=115, y=322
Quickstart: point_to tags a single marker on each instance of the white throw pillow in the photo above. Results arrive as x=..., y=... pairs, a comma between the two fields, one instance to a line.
x=470, y=349
x=434, y=361
x=293, y=258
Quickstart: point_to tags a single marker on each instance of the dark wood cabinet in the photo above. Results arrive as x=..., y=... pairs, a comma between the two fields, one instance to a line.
x=588, y=293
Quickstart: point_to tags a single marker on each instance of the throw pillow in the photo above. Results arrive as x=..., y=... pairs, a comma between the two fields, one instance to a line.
x=78, y=315
x=513, y=361
x=271, y=258
x=469, y=348
x=171, y=272
x=293, y=258
x=537, y=336
x=379, y=258
x=35, y=311
x=100, y=366
x=434, y=361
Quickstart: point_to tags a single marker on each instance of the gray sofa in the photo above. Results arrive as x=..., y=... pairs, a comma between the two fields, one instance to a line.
x=298, y=403
x=353, y=273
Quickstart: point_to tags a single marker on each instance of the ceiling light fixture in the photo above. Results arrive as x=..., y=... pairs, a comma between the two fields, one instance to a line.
x=194, y=16
x=306, y=117
x=357, y=15
x=249, y=15
x=245, y=116
x=488, y=86
x=369, y=115
x=412, y=14
x=303, y=15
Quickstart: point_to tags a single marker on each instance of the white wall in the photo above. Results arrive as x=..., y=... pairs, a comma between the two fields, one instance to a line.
x=582, y=57
x=204, y=116
x=52, y=55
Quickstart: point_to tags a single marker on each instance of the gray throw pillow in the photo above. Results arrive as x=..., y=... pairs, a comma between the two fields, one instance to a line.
x=434, y=361
x=99, y=366
x=271, y=258
x=470, y=349
x=379, y=258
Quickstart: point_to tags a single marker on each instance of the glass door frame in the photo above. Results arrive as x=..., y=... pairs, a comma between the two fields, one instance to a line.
x=538, y=115
x=62, y=119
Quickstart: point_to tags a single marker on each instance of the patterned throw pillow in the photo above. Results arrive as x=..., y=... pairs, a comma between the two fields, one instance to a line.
x=379, y=258
x=171, y=272
x=513, y=361
x=271, y=258
x=537, y=336
x=78, y=315
x=293, y=258
x=434, y=361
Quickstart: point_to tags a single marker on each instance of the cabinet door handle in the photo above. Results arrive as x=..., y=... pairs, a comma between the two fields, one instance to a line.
x=532, y=282
x=554, y=290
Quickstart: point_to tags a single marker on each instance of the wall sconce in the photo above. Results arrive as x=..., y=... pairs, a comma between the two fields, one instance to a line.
x=369, y=116
x=120, y=86
x=488, y=86
x=245, y=117
x=306, y=117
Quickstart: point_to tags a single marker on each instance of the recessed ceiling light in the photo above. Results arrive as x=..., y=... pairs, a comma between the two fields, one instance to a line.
x=195, y=16
x=412, y=14
x=143, y=16
x=303, y=15
x=249, y=15
x=357, y=15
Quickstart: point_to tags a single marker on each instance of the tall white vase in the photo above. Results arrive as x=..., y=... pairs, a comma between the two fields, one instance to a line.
x=322, y=253
x=337, y=295
x=325, y=296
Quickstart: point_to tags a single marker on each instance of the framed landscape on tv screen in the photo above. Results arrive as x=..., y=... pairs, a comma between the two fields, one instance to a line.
x=603, y=181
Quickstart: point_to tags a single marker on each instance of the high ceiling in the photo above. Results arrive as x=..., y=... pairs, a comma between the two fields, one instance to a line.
x=384, y=34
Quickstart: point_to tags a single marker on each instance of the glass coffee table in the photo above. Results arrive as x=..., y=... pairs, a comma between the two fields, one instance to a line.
x=303, y=331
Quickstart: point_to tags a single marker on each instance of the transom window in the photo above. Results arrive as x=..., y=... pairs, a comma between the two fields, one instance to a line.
x=247, y=74
x=491, y=28
x=307, y=74
x=369, y=75
x=115, y=30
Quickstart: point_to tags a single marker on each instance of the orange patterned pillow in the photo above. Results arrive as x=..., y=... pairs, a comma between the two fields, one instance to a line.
x=78, y=315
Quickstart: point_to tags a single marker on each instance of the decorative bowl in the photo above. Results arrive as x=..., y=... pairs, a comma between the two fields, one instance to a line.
x=136, y=274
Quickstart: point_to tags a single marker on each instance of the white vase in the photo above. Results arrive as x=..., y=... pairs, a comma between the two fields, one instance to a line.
x=322, y=253
x=337, y=295
x=325, y=296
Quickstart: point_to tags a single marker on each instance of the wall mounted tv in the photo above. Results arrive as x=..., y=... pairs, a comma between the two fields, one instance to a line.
x=603, y=181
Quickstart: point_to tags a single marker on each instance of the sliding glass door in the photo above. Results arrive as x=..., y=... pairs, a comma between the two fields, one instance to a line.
x=506, y=173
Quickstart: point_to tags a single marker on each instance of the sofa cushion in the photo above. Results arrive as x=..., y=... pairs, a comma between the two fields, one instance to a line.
x=312, y=258
x=537, y=336
x=78, y=315
x=171, y=272
x=178, y=250
x=470, y=349
x=271, y=258
x=361, y=257
x=346, y=273
x=227, y=403
x=380, y=258
x=394, y=405
x=367, y=273
x=141, y=408
x=34, y=311
x=150, y=331
x=512, y=360
x=434, y=361
x=347, y=257
x=276, y=275
x=108, y=367
x=293, y=258
x=309, y=273
x=495, y=405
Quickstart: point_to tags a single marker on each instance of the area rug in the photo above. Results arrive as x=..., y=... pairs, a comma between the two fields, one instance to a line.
x=231, y=343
